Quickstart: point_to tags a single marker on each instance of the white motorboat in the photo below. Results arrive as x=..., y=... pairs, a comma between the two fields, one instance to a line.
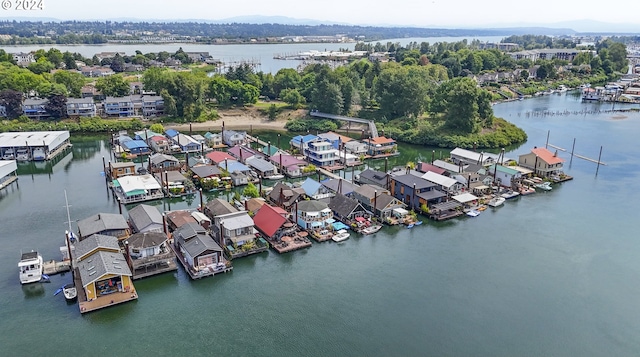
x=39, y=155
x=275, y=177
x=22, y=154
x=371, y=229
x=9, y=154
x=496, y=201
x=70, y=292
x=31, y=266
x=510, y=194
x=545, y=186
x=341, y=235
x=473, y=213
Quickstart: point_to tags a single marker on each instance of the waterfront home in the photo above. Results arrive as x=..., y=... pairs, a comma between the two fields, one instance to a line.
x=270, y=150
x=136, y=147
x=373, y=177
x=119, y=169
x=236, y=232
x=144, y=218
x=171, y=133
x=200, y=255
x=301, y=143
x=137, y=188
x=177, y=219
x=233, y=138
x=160, y=144
x=253, y=205
x=35, y=108
x=262, y=167
x=464, y=156
x=468, y=180
x=415, y=191
x=218, y=207
x=218, y=157
x=315, y=189
x=347, y=209
x=119, y=106
x=426, y=167
x=102, y=272
x=321, y=154
x=149, y=254
x=206, y=172
x=186, y=143
x=145, y=134
x=377, y=200
x=81, y=107
x=505, y=176
x=214, y=140
x=381, y=146
x=242, y=153
x=445, y=184
x=173, y=182
x=152, y=105
x=355, y=147
x=195, y=161
x=451, y=168
x=239, y=179
x=234, y=166
x=109, y=224
x=467, y=200
x=271, y=222
x=23, y=59
x=313, y=215
x=543, y=162
x=164, y=162
x=286, y=196
x=288, y=165
x=340, y=186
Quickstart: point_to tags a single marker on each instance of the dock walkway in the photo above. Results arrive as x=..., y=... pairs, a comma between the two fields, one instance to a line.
x=372, y=126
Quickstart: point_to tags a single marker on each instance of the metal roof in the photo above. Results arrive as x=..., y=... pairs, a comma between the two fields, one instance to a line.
x=101, y=222
x=100, y=264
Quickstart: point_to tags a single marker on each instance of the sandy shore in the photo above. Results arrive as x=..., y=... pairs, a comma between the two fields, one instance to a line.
x=233, y=122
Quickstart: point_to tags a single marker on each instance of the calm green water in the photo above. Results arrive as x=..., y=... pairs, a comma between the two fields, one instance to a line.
x=552, y=274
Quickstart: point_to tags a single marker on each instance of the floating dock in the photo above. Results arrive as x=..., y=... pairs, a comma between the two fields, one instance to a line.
x=33, y=145
x=52, y=267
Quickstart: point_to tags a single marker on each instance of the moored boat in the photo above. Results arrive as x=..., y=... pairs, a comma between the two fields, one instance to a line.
x=496, y=201
x=70, y=292
x=39, y=155
x=473, y=213
x=31, y=266
x=371, y=229
x=510, y=194
x=545, y=186
x=340, y=236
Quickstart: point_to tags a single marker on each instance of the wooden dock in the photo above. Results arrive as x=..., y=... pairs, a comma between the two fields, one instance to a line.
x=105, y=301
x=8, y=182
x=53, y=267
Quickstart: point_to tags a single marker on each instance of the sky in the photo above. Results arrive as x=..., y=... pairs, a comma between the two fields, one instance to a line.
x=425, y=13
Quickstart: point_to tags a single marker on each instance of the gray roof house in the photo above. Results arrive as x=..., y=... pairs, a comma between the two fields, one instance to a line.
x=285, y=196
x=93, y=243
x=110, y=224
x=217, y=207
x=372, y=177
x=200, y=254
x=150, y=254
x=345, y=208
x=145, y=218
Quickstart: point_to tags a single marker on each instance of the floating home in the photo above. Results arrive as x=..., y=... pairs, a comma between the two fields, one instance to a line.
x=33, y=145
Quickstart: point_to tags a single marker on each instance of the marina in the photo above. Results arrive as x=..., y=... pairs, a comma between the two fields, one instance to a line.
x=566, y=263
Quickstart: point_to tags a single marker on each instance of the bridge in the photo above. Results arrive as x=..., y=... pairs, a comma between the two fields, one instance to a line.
x=372, y=126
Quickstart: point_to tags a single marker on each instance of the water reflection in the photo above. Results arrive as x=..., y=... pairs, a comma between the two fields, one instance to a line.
x=33, y=290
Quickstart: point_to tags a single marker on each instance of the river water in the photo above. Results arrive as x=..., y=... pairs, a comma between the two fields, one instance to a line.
x=234, y=54
x=551, y=274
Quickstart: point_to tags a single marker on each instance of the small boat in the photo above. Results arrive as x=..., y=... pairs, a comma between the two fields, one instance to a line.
x=545, y=186
x=418, y=223
x=473, y=213
x=22, y=154
x=9, y=154
x=482, y=208
x=371, y=229
x=39, y=155
x=410, y=225
x=275, y=177
x=31, y=266
x=70, y=292
x=340, y=236
x=510, y=194
x=496, y=201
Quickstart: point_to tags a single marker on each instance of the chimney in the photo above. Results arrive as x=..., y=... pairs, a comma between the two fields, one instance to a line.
x=555, y=154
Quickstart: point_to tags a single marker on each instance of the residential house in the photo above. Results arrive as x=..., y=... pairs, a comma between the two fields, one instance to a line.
x=193, y=161
x=289, y=165
x=463, y=156
x=136, y=147
x=171, y=133
x=164, y=162
x=119, y=106
x=377, y=200
x=144, y=218
x=242, y=153
x=214, y=140
x=270, y=150
x=35, y=108
x=426, y=167
x=445, y=184
x=218, y=207
x=341, y=186
x=348, y=159
x=234, y=166
x=109, y=224
x=336, y=140
x=381, y=146
x=238, y=234
x=218, y=157
x=152, y=105
x=206, y=172
x=104, y=273
x=81, y=107
x=23, y=59
x=198, y=252
x=149, y=254
x=346, y=209
x=253, y=205
x=177, y=219
x=137, y=188
x=315, y=189
x=356, y=147
x=451, y=168
x=239, y=178
x=233, y=138
x=119, y=169
x=132, y=67
x=415, y=191
x=321, y=153
x=301, y=143
x=373, y=177
x=159, y=144
x=272, y=223
x=543, y=162
x=186, y=143
x=285, y=196
x=313, y=215
x=262, y=167
x=173, y=182
x=504, y=175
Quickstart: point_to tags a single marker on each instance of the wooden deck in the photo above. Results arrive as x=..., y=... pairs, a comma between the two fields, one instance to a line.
x=8, y=181
x=52, y=267
x=103, y=301
x=159, y=267
x=286, y=247
x=202, y=273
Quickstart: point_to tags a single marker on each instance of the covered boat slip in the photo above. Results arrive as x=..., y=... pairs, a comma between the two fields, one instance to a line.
x=47, y=143
x=8, y=174
x=445, y=210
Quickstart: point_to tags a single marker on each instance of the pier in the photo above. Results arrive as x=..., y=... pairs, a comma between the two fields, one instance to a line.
x=53, y=267
x=373, y=131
